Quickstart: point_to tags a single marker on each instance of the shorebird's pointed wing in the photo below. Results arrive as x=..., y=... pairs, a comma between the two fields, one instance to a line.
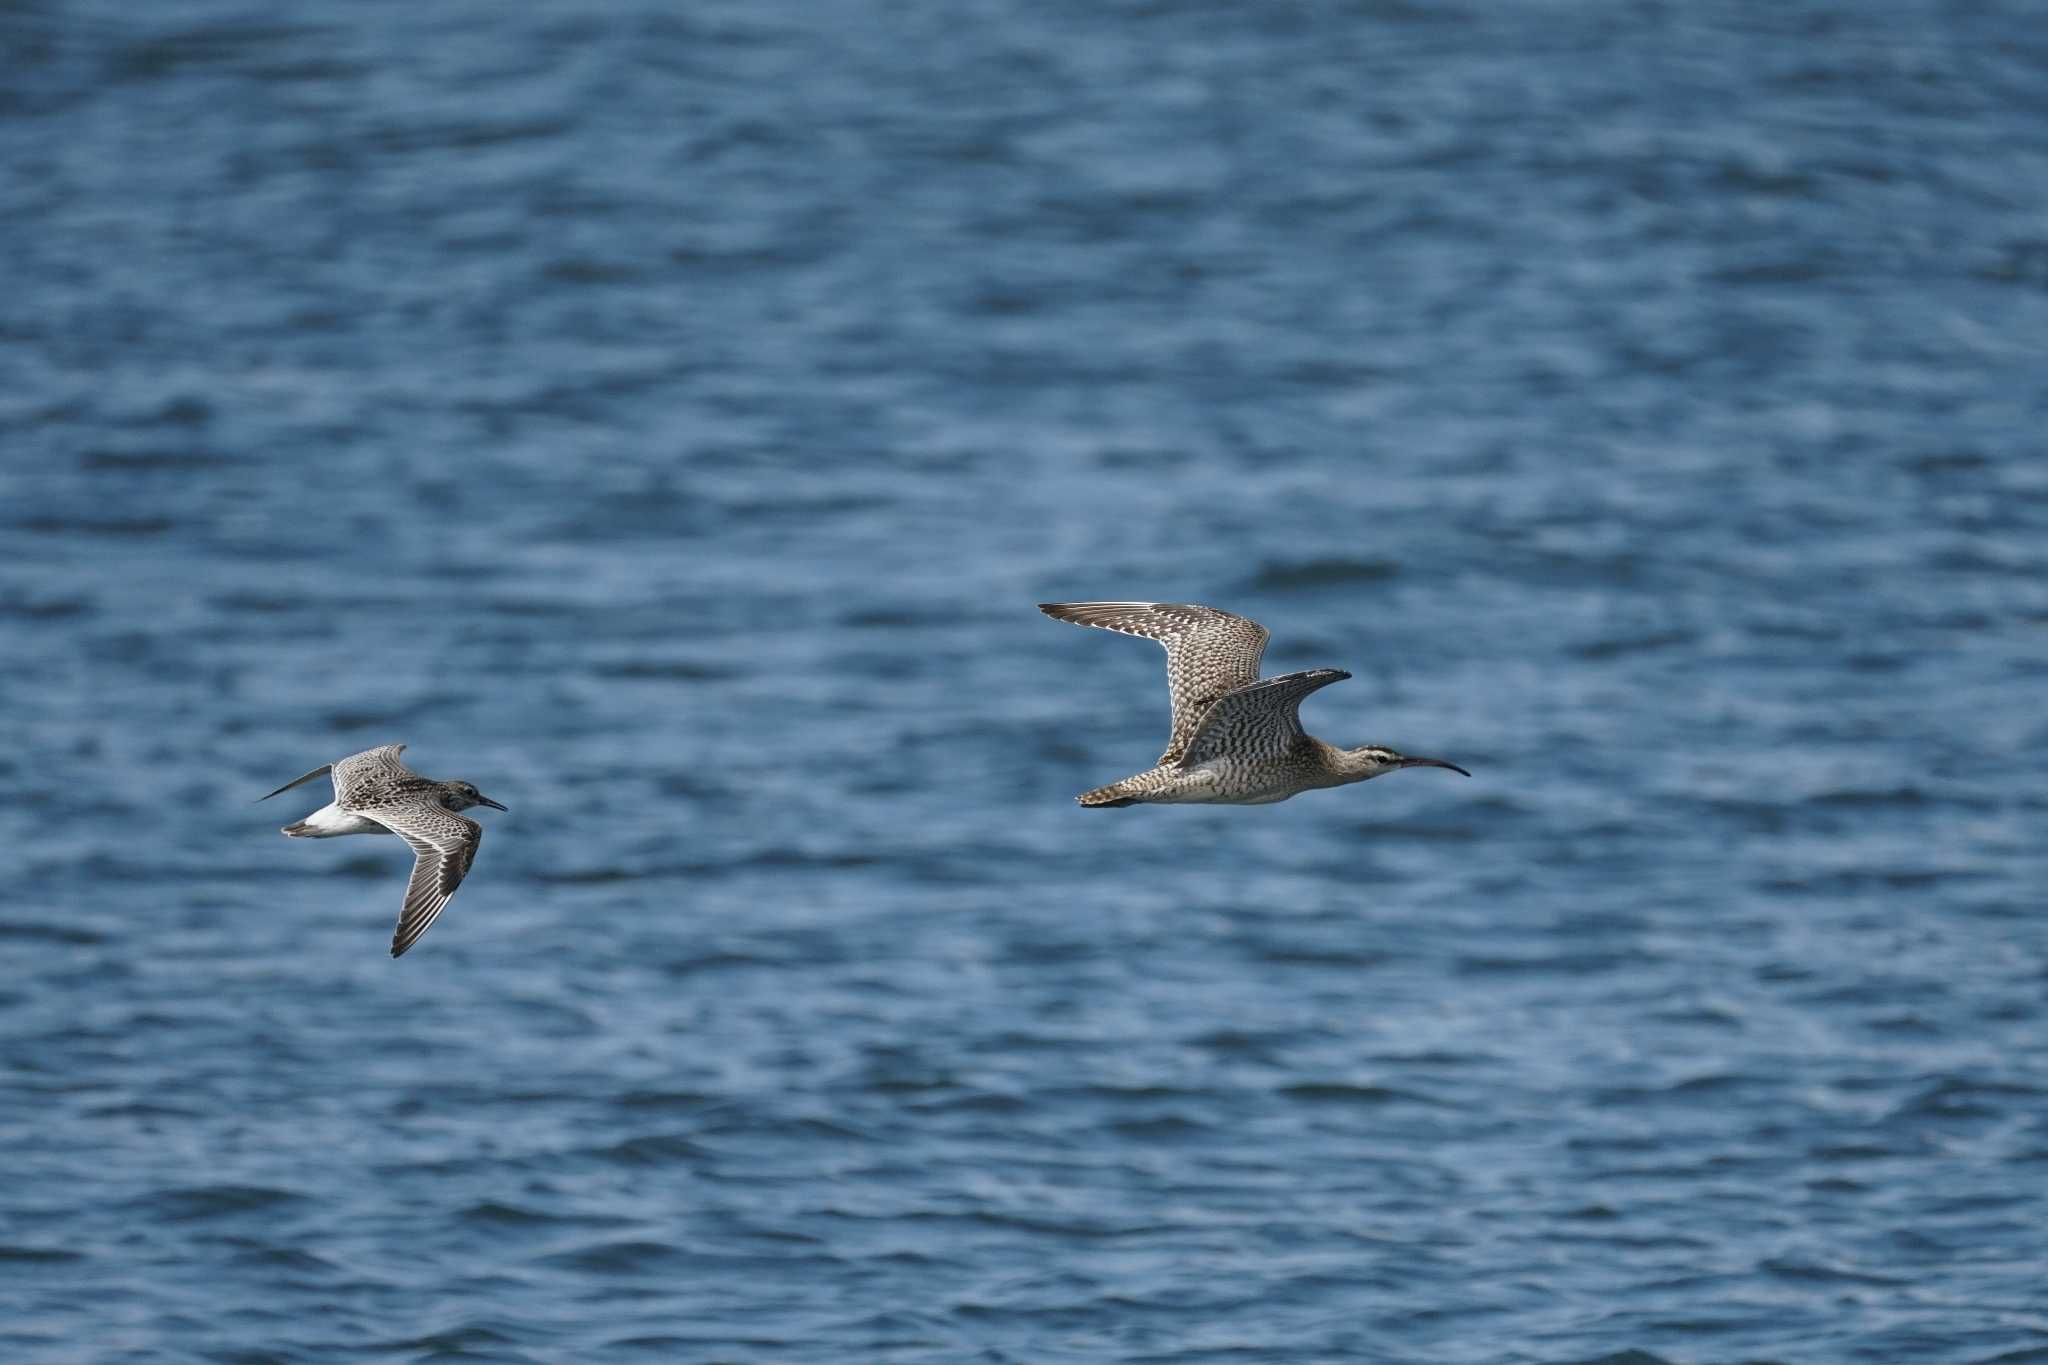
x=321, y=771
x=444, y=845
x=1208, y=652
x=360, y=779
x=1262, y=721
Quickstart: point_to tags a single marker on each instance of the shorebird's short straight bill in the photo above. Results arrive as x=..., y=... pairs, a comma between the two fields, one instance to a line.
x=1237, y=738
x=374, y=793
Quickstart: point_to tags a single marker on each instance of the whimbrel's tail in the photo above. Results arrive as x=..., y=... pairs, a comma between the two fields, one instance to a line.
x=1128, y=792
x=300, y=830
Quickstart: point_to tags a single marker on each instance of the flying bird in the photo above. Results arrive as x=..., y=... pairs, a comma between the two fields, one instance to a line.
x=374, y=793
x=1237, y=738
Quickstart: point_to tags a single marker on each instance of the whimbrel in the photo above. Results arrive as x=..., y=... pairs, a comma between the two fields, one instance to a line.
x=376, y=794
x=1237, y=738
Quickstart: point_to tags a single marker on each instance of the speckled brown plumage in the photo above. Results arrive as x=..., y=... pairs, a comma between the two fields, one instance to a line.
x=1236, y=739
x=374, y=793
x=1208, y=652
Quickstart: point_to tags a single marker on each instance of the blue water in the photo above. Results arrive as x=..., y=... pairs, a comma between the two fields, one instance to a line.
x=665, y=417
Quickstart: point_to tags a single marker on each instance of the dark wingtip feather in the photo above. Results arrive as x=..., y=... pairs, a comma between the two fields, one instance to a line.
x=323, y=770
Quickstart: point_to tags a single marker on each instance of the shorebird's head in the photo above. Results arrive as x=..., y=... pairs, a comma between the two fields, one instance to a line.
x=461, y=796
x=1374, y=760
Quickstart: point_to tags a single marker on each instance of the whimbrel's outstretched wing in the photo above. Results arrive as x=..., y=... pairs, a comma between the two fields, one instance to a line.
x=374, y=775
x=1259, y=722
x=444, y=845
x=1208, y=652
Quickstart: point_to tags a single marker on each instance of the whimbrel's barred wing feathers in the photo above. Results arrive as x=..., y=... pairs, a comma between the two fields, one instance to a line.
x=1208, y=652
x=1262, y=721
x=370, y=776
x=320, y=771
x=444, y=846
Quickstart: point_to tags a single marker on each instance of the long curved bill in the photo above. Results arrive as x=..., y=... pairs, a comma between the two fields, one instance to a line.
x=1431, y=763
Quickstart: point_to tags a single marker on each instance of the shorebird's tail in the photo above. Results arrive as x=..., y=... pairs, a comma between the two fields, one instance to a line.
x=301, y=830
x=1115, y=794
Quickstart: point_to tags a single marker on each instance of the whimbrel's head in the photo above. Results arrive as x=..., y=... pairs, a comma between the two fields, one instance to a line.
x=1374, y=760
x=461, y=796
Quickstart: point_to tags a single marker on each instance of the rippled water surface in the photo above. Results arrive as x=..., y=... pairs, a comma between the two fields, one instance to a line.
x=666, y=417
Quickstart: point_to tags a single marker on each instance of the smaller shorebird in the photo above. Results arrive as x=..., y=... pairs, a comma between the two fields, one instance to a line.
x=376, y=794
x=1237, y=738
